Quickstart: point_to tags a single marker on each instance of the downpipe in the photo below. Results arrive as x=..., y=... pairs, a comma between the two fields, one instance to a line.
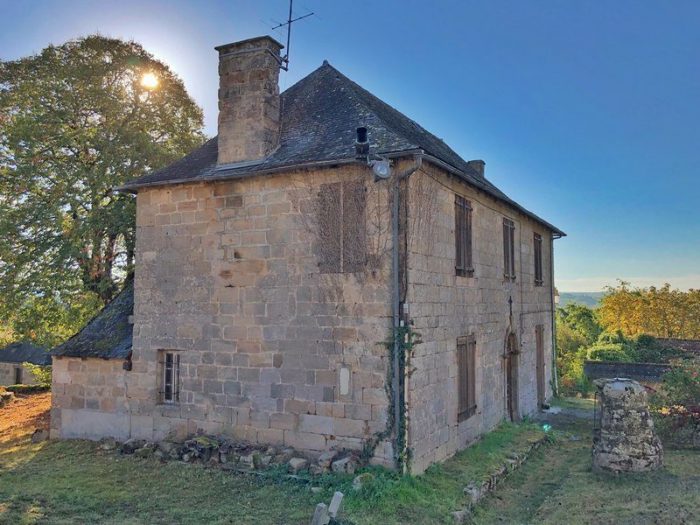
x=399, y=394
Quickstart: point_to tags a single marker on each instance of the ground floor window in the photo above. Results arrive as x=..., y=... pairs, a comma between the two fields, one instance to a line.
x=466, y=369
x=170, y=377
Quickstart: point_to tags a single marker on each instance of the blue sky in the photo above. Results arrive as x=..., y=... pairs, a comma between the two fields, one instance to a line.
x=586, y=112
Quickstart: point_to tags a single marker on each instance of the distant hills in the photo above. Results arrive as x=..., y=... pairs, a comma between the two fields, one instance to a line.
x=590, y=299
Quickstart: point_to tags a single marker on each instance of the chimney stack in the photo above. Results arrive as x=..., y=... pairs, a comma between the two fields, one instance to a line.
x=477, y=165
x=249, y=102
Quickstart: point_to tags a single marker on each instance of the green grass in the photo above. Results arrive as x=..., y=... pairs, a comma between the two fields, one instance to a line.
x=584, y=403
x=76, y=482
x=558, y=486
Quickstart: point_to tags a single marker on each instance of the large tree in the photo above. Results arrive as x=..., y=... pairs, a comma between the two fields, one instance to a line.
x=76, y=121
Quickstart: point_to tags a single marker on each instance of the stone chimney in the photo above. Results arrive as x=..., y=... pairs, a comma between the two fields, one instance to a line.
x=249, y=102
x=479, y=166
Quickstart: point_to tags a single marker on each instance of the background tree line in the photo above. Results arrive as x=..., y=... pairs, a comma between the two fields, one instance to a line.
x=76, y=121
x=625, y=327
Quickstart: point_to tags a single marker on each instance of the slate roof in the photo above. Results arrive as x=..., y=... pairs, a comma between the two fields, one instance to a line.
x=21, y=352
x=319, y=117
x=107, y=335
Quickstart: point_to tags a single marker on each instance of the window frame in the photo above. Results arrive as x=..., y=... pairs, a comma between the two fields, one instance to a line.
x=464, y=253
x=508, y=249
x=537, y=249
x=171, y=397
x=466, y=377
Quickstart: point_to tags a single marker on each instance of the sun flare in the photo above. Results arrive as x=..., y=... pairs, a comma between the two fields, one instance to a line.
x=149, y=80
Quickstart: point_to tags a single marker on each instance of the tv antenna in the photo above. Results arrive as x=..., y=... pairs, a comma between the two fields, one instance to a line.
x=284, y=61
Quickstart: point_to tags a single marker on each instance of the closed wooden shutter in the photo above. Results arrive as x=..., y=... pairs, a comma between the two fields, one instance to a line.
x=508, y=249
x=329, y=218
x=539, y=343
x=354, y=227
x=539, y=280
x=466, y=364
x=463, y=237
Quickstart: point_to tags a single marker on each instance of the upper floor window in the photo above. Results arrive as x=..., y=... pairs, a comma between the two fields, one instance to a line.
x=463, y=237
x=508, y=249
x=539, y=281
x=342, y=227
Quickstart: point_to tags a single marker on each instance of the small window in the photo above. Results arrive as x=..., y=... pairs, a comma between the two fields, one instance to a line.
x=170, y=378
x=539, y=281
x=466, y=369
x=18, y=375
x=508, y=249
x=463, y=237
x=342, y=227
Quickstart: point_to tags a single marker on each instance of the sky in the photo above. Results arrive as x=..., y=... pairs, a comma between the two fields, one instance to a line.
x=586, y=112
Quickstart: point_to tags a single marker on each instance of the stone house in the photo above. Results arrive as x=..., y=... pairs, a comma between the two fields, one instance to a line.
x=324, y=274
x=13, y=357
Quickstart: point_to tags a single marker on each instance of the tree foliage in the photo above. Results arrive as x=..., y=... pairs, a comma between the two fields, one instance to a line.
x=660, y=312
x=76, y=122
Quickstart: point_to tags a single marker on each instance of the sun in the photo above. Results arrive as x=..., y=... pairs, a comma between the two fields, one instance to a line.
x=149, y=80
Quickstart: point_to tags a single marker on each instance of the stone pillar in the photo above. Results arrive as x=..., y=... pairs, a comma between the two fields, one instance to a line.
x=624, y=439
x=249, y=102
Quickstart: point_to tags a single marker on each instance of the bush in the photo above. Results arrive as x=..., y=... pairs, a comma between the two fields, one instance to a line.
x=27, y=389
x=681, y=384
x=42, y=374
x=614, y=352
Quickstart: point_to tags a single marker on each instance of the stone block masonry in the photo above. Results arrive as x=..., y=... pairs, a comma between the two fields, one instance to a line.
x=229, y=279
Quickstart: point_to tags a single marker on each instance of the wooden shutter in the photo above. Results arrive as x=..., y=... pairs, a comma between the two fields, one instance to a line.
x=466, y=365
x=463, y=236
x=354, y=227
x=329, y=218
x=538, y=260
x=539, y=344
x=508, y=249
x=459, y=238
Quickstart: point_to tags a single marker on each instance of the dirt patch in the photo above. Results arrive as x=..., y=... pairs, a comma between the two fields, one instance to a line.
x=21, y=417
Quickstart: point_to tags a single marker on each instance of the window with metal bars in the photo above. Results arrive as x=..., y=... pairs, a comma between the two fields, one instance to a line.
x=170, y=377
x=508, y=249
x=463, y=237
x=342, y=227
x=466, y=380
x=539, y=281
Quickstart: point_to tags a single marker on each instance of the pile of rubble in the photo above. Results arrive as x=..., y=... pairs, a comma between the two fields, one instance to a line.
x=6, y=398
x=233, y=455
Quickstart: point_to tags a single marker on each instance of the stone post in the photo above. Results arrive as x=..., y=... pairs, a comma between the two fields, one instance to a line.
x=624, y=439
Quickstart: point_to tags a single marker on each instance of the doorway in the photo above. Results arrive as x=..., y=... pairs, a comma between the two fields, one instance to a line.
x=512, y=377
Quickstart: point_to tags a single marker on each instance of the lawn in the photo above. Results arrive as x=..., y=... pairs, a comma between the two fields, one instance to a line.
x=76, y=482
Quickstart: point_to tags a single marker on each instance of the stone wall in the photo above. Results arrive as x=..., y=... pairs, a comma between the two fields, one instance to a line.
x=444, y=307
x=228, y=276
x=89, y=398
x=7, y=374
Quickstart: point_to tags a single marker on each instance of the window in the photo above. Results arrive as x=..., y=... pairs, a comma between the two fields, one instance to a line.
x=170, y=379
x=18, y=375
x=466, y=380
x=538, y=260
x=509, y=249
x=342, y=227
x=539, y=347
x=463, y=237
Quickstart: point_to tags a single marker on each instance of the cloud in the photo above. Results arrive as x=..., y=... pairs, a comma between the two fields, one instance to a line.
x=595, y=284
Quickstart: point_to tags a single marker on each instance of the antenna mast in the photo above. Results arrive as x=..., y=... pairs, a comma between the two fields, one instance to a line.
x=284, y=61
